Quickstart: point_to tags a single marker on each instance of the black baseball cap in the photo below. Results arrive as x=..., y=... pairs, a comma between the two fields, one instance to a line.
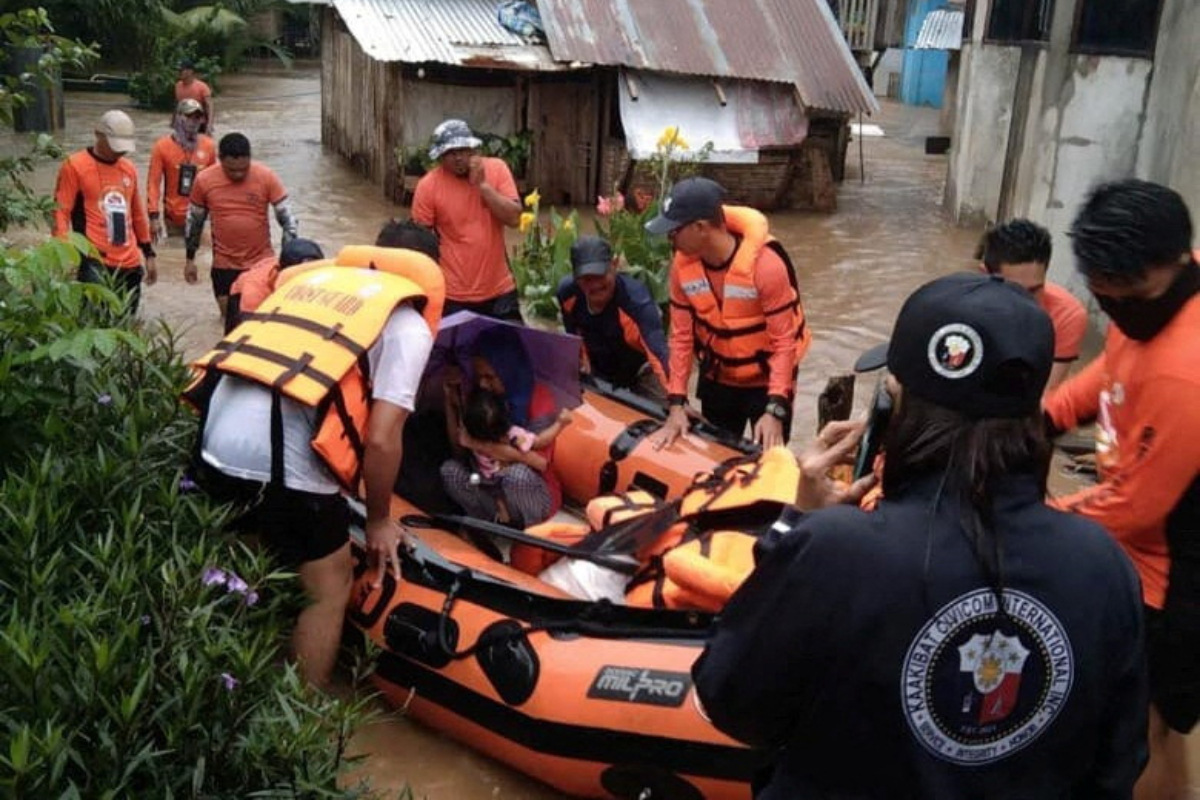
x=298, y=251
x=690, y=199
x=590, y=255
x=970, y=342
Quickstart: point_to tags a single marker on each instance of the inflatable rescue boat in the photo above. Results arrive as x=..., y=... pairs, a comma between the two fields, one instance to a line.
x=592, y=697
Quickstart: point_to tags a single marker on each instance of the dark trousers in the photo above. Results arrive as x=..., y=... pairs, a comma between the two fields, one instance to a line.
x=126, y=281
x=733, y=407
x=506, y=306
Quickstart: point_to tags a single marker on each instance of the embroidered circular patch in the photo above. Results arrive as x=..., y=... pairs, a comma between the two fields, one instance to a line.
x=955, y=351
x=977, y=686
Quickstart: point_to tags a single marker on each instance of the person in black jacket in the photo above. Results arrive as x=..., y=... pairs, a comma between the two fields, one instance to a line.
x=962, y=640
x=614, y=313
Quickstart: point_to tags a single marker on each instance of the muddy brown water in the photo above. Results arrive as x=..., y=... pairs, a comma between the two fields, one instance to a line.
x=856, y=266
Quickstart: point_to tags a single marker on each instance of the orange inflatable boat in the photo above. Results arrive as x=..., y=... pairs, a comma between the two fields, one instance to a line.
x=592, y=697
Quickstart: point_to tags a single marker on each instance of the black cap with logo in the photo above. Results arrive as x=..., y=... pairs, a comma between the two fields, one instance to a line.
x=690, y=199
x=973, y=343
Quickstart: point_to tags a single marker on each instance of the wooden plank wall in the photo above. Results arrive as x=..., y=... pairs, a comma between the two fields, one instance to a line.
x=361, y=102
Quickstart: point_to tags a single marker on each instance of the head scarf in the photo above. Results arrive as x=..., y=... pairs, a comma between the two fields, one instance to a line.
x=181, y=135
x=502, y=348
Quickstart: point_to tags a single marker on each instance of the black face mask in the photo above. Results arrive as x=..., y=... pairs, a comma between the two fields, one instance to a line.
x=1141, y=320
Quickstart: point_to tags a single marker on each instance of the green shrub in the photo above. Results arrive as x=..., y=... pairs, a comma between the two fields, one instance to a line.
x=141, y=651
x=544, y=257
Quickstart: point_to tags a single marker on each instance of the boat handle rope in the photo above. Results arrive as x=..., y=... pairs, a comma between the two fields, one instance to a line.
x=580, y=624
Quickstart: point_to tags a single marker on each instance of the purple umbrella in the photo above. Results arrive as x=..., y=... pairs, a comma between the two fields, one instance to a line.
x=554, y=356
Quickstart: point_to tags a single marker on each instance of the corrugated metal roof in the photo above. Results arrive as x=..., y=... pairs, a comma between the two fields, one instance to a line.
x=457, y=32
x=941, y=30
x=788, y=41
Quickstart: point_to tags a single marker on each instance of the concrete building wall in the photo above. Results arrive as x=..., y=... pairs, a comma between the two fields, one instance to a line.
x=1087, y=132
x=1038, y=126
x=1170, y=146
x=987, y=81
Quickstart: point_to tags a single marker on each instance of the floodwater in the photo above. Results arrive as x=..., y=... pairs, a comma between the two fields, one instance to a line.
x=855, y=268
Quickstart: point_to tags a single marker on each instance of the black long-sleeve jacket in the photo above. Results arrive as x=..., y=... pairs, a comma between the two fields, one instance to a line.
x=868, y=649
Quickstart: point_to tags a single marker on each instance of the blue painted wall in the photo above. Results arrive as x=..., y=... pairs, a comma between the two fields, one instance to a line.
x=923, y=74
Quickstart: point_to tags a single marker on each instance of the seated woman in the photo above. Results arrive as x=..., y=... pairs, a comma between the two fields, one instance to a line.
x=525, y=495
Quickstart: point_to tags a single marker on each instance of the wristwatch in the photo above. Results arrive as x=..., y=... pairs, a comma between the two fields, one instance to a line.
x=777, y=410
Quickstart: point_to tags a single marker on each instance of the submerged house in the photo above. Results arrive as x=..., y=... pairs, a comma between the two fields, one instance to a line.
x=770, y=83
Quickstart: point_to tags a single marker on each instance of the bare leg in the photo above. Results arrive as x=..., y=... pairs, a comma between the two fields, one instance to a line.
x=1165, y=776
x=318, y=632
x=223, y=305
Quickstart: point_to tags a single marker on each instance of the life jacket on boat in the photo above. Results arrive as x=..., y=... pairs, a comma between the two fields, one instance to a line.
x=701, y=560
x=309, y=341
x=730, y=335
x=705, y=551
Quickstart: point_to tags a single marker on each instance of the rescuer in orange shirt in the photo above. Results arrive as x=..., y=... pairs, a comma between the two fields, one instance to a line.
x=1132, y=243
x=1019, y=251
x=468, y=200
x=175, y=161
x=97, y=195
x=189, y=87
x=237, y=193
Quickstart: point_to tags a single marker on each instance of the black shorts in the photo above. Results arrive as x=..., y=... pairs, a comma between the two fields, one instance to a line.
x=295, y=526
x=1173, y=658
x=506, y=306
x=223, y=278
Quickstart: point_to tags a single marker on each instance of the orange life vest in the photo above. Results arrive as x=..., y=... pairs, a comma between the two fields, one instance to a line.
x=255, y=284
x=730, y=336
x=309, y=341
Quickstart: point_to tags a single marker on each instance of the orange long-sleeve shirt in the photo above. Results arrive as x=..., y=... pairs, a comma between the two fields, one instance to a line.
x=166, y=159
x=1145, y=400
x=101, y=200
x=774, y=291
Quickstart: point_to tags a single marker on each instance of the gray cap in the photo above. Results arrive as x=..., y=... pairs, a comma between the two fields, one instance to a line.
x=453, y=134
x=590, y=255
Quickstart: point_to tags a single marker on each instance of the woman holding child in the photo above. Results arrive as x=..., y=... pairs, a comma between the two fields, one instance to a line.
x=505, y=428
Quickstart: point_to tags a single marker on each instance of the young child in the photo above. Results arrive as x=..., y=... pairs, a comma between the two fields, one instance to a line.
x=495, y=442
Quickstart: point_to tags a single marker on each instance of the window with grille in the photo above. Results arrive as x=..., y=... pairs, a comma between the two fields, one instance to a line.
x=1014, y=21
x=1116, y=27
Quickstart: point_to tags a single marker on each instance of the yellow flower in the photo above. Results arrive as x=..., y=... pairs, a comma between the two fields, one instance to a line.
x=526, y=221
x=532, y=199
x=568, y=224
x=670, y=138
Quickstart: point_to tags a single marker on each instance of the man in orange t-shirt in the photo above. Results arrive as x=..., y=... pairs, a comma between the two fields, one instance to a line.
x=1132, y=243
x=97, y=195
x=189, y=87
x=1019, y=251
x=735, y=304
x=175, y=162
x=236, y=192
x=468, y=200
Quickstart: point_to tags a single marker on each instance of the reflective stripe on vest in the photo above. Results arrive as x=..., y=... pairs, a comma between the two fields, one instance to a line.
x=730, y=337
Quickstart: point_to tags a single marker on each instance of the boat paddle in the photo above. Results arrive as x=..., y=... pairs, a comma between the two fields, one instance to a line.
x=619, y=562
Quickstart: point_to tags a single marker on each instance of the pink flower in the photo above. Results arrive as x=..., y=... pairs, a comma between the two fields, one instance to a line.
x=603, y=206
x=618, y=202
